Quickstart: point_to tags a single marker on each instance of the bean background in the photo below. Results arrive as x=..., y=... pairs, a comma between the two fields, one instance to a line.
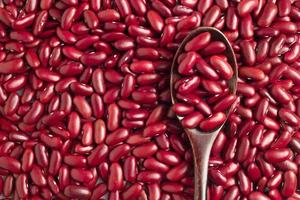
x=85, y=110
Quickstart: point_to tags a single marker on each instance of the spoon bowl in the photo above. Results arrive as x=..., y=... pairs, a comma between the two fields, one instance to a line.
x=202, y=141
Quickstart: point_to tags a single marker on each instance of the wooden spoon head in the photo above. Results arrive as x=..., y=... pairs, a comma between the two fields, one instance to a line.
x=216, y=35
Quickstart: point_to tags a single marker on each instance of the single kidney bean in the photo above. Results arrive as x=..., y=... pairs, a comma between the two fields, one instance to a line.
x=21, y=186
x=213, y=121
x=198, y=43
x=258, y=195
x=290, y=182
x=10, y=164
x=12, y=66
x=275, y=180
x=211, y=16
x=130, y=169
x=115, y=180
x=37, y=176
x=268, y=14
x=246, y=7
x=75, y=191
x=97, y=155
x=177, y=172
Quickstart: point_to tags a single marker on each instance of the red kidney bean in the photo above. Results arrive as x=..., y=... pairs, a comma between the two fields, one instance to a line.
x=133, y=191
x=10, y=164
x=168, y=157
x=258, y=195
x=268, y=14
x=82, y=106
x=115, y=181
x=246, y=7
x=55, y=162
x=248, y=52
x=37, y=176
x=211, y=16
x=254, y=172
x=21, y=186
x=246, y=28
x=75, y=160
x=162, y=141
x=172, y=187
x=198, y=43
x=8, y=186
x=27, y=160
x=284, y=8
x=92, y=59
x=242, y=149
x=280, y=94
x=177, y=172
x=244, y=183
x=145, y=150
x=276, y=155
x=222, y=67
x=119, y=152
x=192, y=120
x=275, y=180
x=213, y=121
x=229, y=152
x=76, y=191
x=155, y=165
x=52, y=184
x=81, y=175
x=108, y=15
x=12, y=66
x=289, y=117
x=148, y=176
x=99, y=191
x=155, y=20
x=97, y=155
x=130, y=169
x=67, y=18
x=290, y=184
x=154, y=129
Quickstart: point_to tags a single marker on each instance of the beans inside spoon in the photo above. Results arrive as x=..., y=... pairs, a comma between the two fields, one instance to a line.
x=203, y=86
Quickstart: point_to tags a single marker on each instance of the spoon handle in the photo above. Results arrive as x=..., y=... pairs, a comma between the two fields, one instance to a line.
x=201, y=146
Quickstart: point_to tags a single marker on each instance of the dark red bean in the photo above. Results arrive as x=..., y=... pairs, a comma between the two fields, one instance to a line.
x=145, y=150
x=248, y=52
x=198, y=43
x=92, y=59
x=97, y=155
x=37, y=176
x=258, y=195
x=148, y=176
x=108, y=15
x=211, y=16
x=10, y=164
x=268, y=14
x=21, y=186
x=213, y=121
x=178, y=172
x=115, y=181
x=76, y=191
x=155, y=20
x=290, y=184
x=12, y=66
x=246, y=7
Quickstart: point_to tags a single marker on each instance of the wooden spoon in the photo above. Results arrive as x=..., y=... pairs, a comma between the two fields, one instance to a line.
x=201, y=141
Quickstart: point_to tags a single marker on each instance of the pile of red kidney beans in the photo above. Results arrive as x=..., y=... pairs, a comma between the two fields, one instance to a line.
x=202, y=95
x=85, y=100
